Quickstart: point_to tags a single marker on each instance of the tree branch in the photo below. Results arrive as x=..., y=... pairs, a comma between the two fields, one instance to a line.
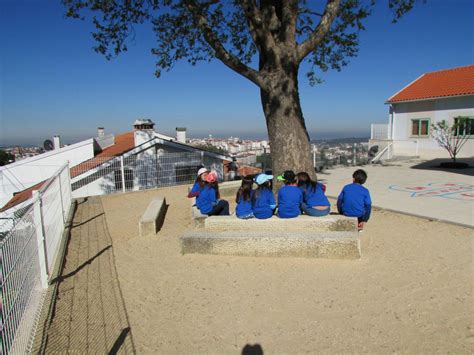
x=221, y=53
x=321, y=29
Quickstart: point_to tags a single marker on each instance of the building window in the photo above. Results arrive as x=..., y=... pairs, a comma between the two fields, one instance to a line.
x=420, y=127
x=467, y=129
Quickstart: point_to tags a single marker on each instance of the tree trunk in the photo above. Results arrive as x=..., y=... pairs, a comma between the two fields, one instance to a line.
x=289, y=140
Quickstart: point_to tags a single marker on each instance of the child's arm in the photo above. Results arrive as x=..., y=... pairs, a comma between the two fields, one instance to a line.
x=339, y=201
x=271, y=201
x=194, y=191
x=368, y=207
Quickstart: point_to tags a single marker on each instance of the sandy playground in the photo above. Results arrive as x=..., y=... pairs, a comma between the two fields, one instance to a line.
x=411, y=292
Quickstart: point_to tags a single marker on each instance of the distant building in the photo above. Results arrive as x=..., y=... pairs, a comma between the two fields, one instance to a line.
x=433, y=97
x=131, y=161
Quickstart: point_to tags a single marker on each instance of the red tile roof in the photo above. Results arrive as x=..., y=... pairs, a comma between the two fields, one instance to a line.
x=22, y=196
x=123, y=143
x=443, y=83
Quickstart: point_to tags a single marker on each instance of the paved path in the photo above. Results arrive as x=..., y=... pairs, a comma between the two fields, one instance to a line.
x=89, y=315
x=414, y=188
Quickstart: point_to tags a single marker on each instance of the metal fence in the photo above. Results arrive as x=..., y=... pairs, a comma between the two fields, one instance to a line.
x=379, y=131
x=107, y=175
x=28, y=253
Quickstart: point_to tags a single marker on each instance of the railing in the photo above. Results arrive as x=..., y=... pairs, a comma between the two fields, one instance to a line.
x=107, y=175
x=28, y=253
x=379, y=131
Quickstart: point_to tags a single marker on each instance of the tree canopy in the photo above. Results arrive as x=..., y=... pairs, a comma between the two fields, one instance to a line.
x=264, y=41
x=326, y=33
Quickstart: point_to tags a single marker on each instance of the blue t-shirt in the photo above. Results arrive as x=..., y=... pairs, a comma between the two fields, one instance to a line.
x=290, y=199
x=206, y=199
x=244, y=208
x=263, y=203
x=314, y=196
x=354, y=201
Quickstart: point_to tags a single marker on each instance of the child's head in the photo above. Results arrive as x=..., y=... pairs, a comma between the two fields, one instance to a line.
x=359, y=176
x=288, y=177
x=201, y=175
x=211, y=177
x=211, y=180
x=304, y=179
x=245, y=189
x=263, y=180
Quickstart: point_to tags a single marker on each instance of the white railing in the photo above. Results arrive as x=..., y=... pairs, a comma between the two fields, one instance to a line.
x=107, y=175
x=28, y=253
x=379, y=131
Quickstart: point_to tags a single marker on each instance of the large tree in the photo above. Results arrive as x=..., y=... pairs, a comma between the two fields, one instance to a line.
x=265, y=41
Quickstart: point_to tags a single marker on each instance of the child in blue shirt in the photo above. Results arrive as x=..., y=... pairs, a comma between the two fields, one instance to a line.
x=198, y=183
x=244, y=199
x=354, y=199
x=209, y=201
x=315, y=202
x=290, y=196
x=263, y=201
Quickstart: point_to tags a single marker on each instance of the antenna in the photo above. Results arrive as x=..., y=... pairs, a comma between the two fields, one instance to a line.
x=48, y=145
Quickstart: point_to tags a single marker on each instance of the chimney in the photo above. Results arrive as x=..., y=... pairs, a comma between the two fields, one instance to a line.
x=57, y=142
x=100, y=132
x=181, y=134
x=143, y=131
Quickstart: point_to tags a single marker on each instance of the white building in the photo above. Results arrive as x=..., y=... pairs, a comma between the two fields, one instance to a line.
x=431, y=98
x=131, y=161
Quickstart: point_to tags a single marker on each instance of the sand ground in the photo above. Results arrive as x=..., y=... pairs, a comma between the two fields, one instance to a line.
x=411, y=292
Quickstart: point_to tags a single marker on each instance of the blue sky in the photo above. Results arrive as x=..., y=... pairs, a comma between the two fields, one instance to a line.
x=52, y=82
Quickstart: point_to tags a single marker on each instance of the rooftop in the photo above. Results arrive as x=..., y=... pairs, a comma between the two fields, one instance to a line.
x=438, y=84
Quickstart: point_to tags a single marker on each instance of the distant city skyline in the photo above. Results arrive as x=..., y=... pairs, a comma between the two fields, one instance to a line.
x=52, y=82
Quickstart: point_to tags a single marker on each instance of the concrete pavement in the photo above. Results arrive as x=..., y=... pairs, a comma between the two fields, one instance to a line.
x=417, y=188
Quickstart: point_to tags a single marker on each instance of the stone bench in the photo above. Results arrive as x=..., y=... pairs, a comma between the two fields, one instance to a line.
x=301, y=223
x=330, y=245
x=198, y=217
x=153, y=218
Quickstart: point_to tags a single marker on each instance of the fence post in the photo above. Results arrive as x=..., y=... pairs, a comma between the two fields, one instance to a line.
x=61, y=196
x=40, y=239
x=202, y=157
x=122, y=171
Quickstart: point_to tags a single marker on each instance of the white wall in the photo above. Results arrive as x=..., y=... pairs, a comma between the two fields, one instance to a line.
x=436, y=110
x=28, y=172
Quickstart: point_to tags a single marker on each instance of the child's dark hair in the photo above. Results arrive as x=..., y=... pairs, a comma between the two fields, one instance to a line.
x=215, y=186
x=304, y=181
x=245, y=189
x=265, y=186
x=360, y=176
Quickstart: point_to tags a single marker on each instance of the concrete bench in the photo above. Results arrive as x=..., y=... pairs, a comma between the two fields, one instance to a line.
x=302, y=223
x=153, y=218
x=329, y=245
x=198, y=217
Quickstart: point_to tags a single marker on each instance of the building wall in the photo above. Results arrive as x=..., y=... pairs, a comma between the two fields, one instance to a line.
x=20, y=175
x=436, y=110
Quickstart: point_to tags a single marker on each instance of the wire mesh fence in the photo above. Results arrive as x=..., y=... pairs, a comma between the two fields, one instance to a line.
x=27, y=251
x=107, y=175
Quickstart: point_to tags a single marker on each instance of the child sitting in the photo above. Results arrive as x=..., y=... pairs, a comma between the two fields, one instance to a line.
x=244, y=199
x=290, y=196
x=208, y=200
x=315, y=202
x=354, y=199
x=263, y=201
x=198, y=183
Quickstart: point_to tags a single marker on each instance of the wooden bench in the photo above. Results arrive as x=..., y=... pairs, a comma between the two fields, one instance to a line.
x=152, y=220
